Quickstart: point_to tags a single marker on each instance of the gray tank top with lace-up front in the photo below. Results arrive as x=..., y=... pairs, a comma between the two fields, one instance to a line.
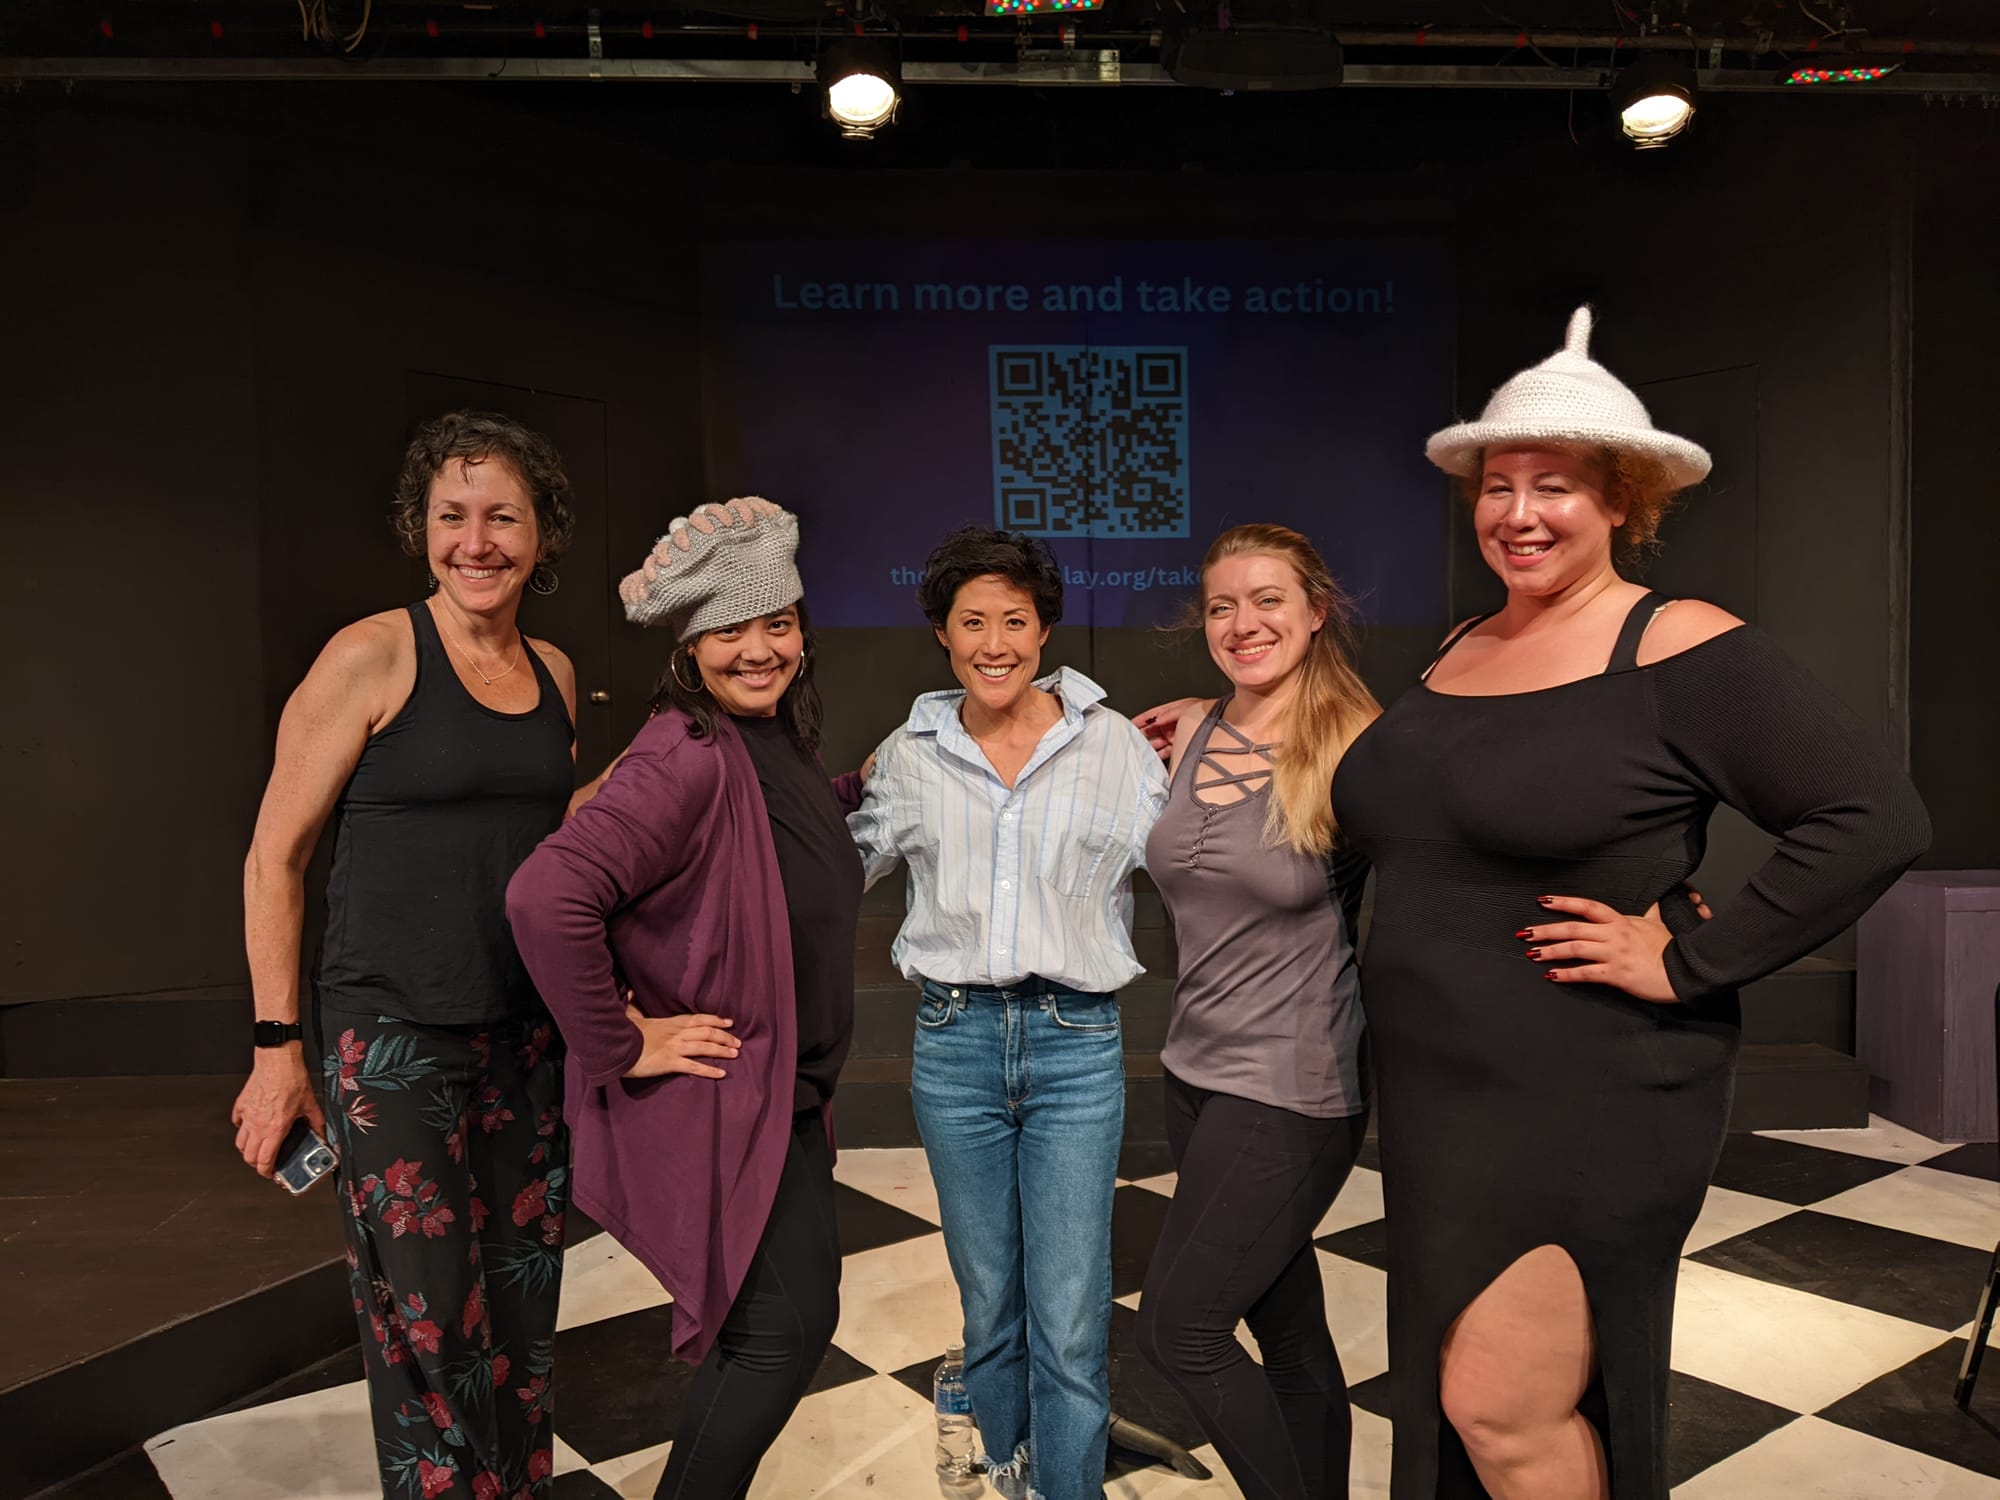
x=1266, y=1004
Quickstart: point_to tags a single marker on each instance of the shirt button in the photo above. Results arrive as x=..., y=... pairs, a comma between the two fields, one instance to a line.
x=1005, y=887
x=1008, y=817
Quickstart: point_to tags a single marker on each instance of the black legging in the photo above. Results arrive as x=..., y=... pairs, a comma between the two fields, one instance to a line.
x=771, y=1344
x=1237, y=1244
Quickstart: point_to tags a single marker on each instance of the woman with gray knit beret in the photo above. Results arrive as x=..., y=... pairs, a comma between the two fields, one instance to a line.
x=711, y=878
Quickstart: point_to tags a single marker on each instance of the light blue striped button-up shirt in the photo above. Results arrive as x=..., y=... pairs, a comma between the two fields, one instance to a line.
x=1006, y=883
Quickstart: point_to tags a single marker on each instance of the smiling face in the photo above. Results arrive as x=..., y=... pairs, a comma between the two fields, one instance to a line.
x=995, y=639
x=1543, y=517
x=746, y=668
x=1258, y=618
x=480, y=535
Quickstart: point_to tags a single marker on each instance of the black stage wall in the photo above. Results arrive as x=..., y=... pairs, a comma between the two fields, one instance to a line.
x=227, y=305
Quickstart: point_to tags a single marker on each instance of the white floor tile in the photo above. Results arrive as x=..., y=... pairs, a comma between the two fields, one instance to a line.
x=636, y=1475
x=1923, y=1200
x=568, y=1460
x=1164, y=1184
x=1161, y=1483
x=319, y=1445
x=602, y=1279
x=1884, y=1140
x=1787, y=1347
x=1368, y=1472
x=1360, y=1202
x=901, y=1177
x=898, y=1304
x=875, y=1438
x=1814, y=1460
x=1726, y=1213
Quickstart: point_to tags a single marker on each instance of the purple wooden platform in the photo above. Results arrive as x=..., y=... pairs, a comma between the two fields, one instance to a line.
x=1923, y=1008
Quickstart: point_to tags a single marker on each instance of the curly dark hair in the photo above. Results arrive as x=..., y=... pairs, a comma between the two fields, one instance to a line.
x=470, y=437
x=800, y=708
x=982, y=552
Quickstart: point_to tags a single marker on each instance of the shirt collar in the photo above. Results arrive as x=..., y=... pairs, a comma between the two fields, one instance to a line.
x=1074, y=691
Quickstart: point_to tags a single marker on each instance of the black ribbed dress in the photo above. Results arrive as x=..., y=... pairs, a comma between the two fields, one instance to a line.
x=1516, y=1112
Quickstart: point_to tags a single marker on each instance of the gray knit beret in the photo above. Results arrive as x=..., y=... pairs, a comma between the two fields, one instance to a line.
x=722, y=565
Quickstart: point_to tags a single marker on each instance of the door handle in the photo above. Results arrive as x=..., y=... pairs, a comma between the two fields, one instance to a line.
x=598, y=695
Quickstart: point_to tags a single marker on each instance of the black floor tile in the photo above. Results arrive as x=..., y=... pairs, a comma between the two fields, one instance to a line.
x=1707, y=1423
x=1139, y=1393
x=1136, y=1216
x=1137, y=1159
x=1888, y=1271
x=1370, y=1155
x=920, y=1377
x=1980, y=1159
x=621, y=1388
x=581, y=1485
x=1371, y=1395
x=867, y=1223
x=1367, y=1243
x=837, y=1369
x=1792, y=1173
x=1912, y=1408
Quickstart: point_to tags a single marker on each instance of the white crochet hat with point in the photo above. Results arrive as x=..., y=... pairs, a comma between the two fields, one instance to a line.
x=1567, y=398
x=722, y=565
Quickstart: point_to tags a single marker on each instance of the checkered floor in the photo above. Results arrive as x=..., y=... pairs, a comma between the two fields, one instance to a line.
x=1824, y=1300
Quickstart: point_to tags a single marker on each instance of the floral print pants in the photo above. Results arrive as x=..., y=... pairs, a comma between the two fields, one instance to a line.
x=454, y=1164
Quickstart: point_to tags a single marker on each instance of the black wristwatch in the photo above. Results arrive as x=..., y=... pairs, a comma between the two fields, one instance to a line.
x=276, y=1033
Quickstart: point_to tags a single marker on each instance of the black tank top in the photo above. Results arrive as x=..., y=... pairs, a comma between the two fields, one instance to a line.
x=446, y=801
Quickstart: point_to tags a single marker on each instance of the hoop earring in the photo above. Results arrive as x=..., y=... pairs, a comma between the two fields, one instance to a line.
x=543, y=580
x=674, y=671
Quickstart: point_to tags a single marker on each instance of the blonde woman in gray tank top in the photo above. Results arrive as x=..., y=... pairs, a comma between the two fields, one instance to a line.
x=1265, y=1100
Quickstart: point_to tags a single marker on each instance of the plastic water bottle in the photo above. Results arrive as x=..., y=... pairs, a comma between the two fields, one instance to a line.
x=955, y=1442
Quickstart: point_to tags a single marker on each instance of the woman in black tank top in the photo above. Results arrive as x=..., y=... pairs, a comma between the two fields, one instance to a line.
x=438, y=740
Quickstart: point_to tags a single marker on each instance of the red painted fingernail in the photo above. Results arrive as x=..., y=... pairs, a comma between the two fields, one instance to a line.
x=1525, y=932
x=1534, y=953
x=1546, y=900
x=1548, y=973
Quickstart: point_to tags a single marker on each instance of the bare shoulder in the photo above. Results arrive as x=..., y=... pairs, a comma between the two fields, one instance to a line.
x=1197, y=713
x=366, y=653
x=1683, y=626
x=1462, y=626
x=559, y=665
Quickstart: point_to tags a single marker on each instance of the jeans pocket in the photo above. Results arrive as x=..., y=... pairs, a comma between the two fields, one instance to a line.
x=1084, y=1012
x=936, y=1007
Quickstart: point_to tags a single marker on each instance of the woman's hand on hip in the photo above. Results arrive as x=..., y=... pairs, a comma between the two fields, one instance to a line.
x=672, y=1044
x=278, y=1092
x=1603, y=946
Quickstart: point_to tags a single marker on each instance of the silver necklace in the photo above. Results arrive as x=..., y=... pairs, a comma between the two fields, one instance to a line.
x=489, y=681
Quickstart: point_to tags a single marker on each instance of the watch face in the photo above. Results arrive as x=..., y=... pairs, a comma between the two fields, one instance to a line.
x=275, y=1033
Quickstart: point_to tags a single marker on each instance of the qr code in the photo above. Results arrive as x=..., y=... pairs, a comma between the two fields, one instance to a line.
x=1090, y=441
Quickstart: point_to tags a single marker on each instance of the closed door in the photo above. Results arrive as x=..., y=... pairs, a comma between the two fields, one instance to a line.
x=577, y=616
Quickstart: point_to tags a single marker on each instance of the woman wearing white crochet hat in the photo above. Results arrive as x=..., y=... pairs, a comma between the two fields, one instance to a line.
x=712, y=874
x=1554, y=1063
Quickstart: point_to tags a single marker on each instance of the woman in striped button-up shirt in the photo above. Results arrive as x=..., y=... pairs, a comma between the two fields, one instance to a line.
x=1022, y=807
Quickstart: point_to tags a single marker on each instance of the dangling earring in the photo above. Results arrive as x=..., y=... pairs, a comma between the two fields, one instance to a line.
x=434, y=584
x=543, y=580
x=674, y=670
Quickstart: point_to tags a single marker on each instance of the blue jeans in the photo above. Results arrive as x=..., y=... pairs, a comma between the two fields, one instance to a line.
x=1020, y=1096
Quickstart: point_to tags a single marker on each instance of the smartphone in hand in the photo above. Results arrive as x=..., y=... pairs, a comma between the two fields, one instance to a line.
x=303, y=1159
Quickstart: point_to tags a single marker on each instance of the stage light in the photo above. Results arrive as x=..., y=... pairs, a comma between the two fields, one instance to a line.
x=860, y=81
x=1039, y=7
x=1655, y=101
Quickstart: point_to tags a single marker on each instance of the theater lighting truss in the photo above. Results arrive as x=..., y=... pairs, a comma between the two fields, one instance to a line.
x=1654, y=100
x=861, y=84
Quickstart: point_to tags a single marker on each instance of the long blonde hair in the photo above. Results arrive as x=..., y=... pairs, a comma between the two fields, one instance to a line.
x=1331, y=704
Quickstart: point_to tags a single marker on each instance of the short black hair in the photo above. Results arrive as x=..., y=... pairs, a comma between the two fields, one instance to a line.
x=981, y=552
